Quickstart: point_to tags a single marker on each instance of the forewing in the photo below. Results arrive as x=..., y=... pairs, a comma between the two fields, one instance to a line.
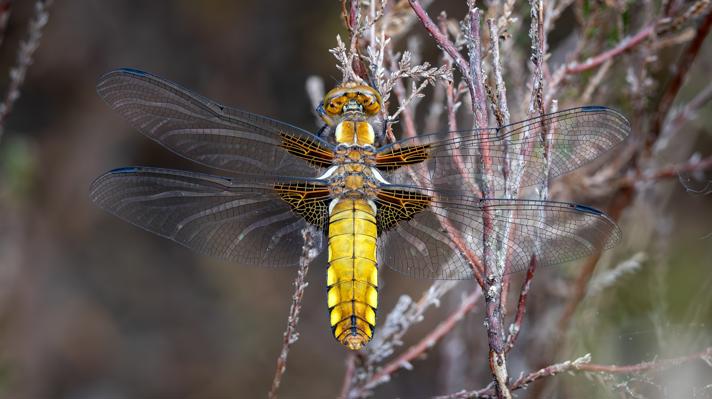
x=454, y=159
x=440, y=241
x=207, y=132
x=239, y=221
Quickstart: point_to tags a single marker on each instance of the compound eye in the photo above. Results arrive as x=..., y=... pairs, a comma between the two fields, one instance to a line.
x=369, y=102
x=335, y=106
x=365, y=96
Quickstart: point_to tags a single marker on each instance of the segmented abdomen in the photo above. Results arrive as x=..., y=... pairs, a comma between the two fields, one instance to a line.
x=352, y=276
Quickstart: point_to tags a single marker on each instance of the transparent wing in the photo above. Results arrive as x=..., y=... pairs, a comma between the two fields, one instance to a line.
x=578, y=136
x=204, y=131
x=426, y=246
x=243, y=222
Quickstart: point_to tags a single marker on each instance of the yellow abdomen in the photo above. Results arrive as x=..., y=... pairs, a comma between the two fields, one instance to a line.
x=352, y=276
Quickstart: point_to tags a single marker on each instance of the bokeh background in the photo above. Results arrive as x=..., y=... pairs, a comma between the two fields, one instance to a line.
x=92, y=307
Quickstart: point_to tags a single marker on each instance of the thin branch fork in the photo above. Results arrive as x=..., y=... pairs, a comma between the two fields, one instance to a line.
x=516, y=326
x=593, y=62
x=656, y=365
x=625, y=45
x=685, y=62
x=470, y=72
x=693, y=166
x=600, y=59
x=427, y=342
x=440, y=39
x=584, y=364
x=290, y=334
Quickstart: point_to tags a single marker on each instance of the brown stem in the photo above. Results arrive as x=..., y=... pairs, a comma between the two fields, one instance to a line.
x=646, y=366
x=623, y=46
x=521, y=306
x=666, y=172
x=683, y=66
x=442, y=40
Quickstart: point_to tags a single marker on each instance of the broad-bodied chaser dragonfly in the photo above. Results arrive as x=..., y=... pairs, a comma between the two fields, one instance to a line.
x=410, y=204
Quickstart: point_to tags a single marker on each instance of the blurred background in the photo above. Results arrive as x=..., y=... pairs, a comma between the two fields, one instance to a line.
x=92, y=307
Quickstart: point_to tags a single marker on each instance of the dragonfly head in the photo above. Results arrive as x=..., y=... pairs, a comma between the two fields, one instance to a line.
x=350, y=98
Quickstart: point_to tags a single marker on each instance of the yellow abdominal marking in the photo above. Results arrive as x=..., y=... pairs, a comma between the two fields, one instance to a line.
x=352, y=276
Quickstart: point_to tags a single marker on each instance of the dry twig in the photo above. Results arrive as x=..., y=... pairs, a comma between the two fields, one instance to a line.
x=24, y=55
x=309, y=252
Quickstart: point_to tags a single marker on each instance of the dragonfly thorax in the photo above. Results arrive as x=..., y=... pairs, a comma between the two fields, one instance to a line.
x=354, y=132
x=353, y=180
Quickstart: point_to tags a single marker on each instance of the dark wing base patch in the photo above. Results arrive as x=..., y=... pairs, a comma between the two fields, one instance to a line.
x=396, y=206
x=307, y=149
x=308, y=200
x=397, y=157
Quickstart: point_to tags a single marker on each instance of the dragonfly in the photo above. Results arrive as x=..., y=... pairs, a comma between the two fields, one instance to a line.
x=414, y=205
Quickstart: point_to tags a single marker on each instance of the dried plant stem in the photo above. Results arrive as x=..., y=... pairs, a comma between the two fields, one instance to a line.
x=291, y=336
x=550, y=370
x=683, y=66
x=427, y=342
x=501, y=108
x=690, y=110
x=578, y=292
x=348, y=375
x=692, y=166
x=516, y=326
x=407, y=118
x=403, y=360
x=24, y=58
x=657, y=365
x=584, y=364
x=600, y=59
x=593, y=62
x=441, y=39
x=494, y=317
